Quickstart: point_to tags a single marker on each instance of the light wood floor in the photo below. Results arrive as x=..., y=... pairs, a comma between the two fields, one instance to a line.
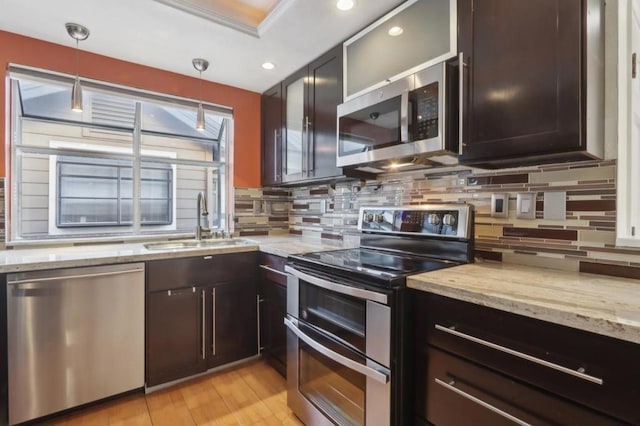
x=251, y=394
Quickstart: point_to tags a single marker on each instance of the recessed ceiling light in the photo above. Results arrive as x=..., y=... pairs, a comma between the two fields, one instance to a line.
x=345, y=4
x=395, y=31
x=268, y=66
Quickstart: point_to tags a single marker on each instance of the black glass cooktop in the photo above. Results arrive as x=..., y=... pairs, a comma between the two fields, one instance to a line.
x=378, y=263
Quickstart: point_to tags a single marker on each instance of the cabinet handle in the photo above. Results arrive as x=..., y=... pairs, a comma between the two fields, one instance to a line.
x=275, y=271
x=576, y=373
x=308, y=147
x=258, y=302
x=204, y=349
x=480, y=402
x=275, y=154
x=213, y=322
x=461, y=100
x=302, y=146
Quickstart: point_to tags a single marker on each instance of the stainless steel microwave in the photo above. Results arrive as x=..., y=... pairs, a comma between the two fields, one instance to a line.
x=411, y=121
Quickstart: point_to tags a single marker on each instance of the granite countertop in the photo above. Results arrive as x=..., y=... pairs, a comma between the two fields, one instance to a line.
x=600, y=304
x=32, y=259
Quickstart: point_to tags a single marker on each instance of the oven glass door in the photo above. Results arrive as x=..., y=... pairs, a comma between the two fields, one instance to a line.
x=333, y=380
x=339, y=315
x=371, y=128
x=337, y=391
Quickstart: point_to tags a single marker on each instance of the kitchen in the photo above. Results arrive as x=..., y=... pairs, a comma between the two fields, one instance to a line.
x=592, y=232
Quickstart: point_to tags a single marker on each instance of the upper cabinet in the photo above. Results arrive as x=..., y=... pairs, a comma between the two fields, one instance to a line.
x=534, y=84
x=415, y=35
x=272, y=136
x=299, y=123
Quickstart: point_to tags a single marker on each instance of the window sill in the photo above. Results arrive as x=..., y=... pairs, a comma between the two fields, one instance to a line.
x=96, y=240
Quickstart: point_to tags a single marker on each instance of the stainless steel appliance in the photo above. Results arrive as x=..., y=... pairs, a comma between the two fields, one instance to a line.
x=347, y=338
x=74, y=336
x=412, y=121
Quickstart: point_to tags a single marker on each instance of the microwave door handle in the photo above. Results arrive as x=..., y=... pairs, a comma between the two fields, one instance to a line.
x=404, y=116
x=340, y=359
x=360, y=293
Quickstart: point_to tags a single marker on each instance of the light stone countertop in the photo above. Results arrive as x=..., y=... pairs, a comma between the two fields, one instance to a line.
x=600, y=304
x=32, y=259
x=293, y=244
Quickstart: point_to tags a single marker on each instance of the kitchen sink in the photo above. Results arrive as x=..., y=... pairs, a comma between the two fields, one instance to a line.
x=191, y=244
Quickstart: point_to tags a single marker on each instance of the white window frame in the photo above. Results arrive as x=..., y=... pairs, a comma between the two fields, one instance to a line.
x=225, y=164
x=628, y=178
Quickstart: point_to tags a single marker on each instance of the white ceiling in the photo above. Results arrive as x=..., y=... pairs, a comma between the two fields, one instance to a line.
x=152, y=33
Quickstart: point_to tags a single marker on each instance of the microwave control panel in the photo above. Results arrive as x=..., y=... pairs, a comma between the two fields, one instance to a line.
x=425, y=115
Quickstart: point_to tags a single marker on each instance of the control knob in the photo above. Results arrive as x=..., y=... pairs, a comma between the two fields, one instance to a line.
x=379, y=218
x=449, y=219
x=433, y=219
x=368, y=217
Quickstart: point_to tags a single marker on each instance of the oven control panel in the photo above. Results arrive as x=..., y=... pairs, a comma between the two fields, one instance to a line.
x=441, y=220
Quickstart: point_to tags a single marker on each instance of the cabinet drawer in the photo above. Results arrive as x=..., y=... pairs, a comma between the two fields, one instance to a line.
x=198, y=271
x=593, y=370
x=234, y=266
x=272, y=268
x=461, y=393
x=168, y=274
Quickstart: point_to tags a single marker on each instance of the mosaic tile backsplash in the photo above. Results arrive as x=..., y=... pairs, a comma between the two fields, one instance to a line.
x=584, y=240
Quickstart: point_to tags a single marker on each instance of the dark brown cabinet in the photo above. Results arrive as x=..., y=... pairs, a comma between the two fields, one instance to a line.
x=175, y=335
x=273, y=296
x=272, y=136
x=299, y=123
x=233, y=322
x=201, y=314
x=534, y=75
x=472, y=359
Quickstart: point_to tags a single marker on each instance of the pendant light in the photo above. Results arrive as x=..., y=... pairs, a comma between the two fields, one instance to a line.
x=77, y=32
x=200, y=65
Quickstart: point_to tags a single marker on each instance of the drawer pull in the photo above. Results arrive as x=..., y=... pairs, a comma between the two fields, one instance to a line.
x=480, y=402
x=576, y=373
x=275, y=271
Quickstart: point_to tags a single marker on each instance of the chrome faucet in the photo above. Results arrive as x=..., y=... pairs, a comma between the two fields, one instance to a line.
x=201, y=206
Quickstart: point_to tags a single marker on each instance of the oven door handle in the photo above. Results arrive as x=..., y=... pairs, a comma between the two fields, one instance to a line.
x=360, y=293
x=340, y=359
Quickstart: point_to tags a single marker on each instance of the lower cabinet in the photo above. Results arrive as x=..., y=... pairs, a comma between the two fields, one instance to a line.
x=273, y=308
x=175, y=335
x=482, y=366
x=234, y=330
x=201, y=313
x=458, y=392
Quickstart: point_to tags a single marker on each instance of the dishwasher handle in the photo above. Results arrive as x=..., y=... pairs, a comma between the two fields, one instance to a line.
x=73, y=277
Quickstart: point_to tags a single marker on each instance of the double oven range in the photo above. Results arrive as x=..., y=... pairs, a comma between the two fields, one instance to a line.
x=348, y=348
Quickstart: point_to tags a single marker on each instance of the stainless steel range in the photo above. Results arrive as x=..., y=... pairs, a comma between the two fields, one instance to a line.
x=347, y=337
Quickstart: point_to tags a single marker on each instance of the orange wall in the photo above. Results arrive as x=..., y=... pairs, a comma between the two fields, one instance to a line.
x=28, y=51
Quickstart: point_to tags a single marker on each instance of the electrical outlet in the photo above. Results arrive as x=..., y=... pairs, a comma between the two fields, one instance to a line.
x=526, y=205
x=499, y=205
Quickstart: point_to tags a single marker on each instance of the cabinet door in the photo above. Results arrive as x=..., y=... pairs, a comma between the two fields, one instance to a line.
x=234, y=328
x=272, y=136
x=524, y=82
x=325, y=94
x=296, y=129
x=273, y=335
x=175, y=338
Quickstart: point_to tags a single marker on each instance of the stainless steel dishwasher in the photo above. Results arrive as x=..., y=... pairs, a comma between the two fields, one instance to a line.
x=74, y=336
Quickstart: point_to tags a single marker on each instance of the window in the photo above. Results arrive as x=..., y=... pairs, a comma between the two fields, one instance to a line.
x=130, y=164
x=100, y=193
